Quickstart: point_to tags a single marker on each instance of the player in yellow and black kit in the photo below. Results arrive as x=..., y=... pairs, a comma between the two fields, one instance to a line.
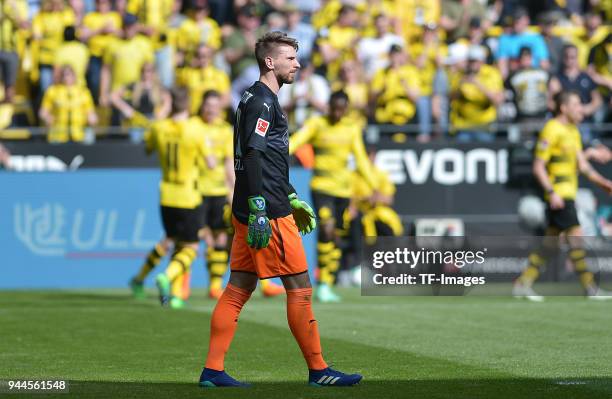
x=179, y=143
x=216, y=187
x=334, y=137
x=558, y=159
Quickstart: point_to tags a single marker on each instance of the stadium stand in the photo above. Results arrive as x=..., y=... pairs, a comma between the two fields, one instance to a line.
x=364, y=41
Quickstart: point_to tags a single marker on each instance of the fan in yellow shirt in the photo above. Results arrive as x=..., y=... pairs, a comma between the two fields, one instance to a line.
x=67, y=108
x=395, y=90
x=99, y=30
x=338, y=43
x=475, y=97
x=13, y=22
x=71, y=52
x=152, y=14
x=48, y=34
x=196, y=30
x=427, y=54
x=334, y=137
x=416, y=14
x=124, y=59
x=203, y=76
x=326, y=15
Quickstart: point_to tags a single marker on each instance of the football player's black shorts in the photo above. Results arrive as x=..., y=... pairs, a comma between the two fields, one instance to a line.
x=563, y=219
x=212, y=212
x=181, y=224
x=327, y=207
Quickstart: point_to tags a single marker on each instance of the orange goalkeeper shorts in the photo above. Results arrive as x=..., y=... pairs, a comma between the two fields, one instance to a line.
x=283, y=256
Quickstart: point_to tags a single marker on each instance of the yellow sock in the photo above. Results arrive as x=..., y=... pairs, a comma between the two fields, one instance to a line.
x=176, y=289
x=532, y=272
x=334, y=263
x=325, y=259
x=153, y=259
x=180, y=263
x=577, y=257
x=216, y=261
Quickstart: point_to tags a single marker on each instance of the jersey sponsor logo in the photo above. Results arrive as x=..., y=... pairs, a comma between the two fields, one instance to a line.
x=267, y=106
x=262, y=127
x=542, y=145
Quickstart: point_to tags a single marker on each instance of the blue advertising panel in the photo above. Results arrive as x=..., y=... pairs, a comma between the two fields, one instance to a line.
x=88, y=228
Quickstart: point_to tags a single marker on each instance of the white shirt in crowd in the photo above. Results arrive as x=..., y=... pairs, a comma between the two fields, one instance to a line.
x=373, y=52
x=318, y=88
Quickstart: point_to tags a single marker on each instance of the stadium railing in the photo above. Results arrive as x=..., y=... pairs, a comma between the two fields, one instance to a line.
x=373, y=133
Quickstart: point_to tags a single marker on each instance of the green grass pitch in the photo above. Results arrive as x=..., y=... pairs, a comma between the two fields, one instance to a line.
x=111, y=346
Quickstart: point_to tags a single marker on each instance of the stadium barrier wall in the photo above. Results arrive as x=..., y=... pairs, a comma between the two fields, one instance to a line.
x=90, y=228
x=93, y=226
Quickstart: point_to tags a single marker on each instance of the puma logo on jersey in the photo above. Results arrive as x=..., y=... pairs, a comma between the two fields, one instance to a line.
x=262, y=127
x=267, y=106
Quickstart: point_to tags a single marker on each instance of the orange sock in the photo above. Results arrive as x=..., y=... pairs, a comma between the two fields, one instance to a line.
x=304, y=326
x=223, y=324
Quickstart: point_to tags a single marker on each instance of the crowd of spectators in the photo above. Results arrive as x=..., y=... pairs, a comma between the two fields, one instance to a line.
x=441, y=67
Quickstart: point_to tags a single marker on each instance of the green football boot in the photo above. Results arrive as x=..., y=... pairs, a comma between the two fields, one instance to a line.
x=163, y=287
x=176, y=303
x=325, y=294
x=137, y=288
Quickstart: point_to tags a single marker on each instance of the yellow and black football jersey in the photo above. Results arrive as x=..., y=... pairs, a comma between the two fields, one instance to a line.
x=201, y=80
x=180, y=145
x=393, y=105
x=333, y=145
x=48, y=31
x=473, y=108
x=558, y=146
x=69, y=106
x=362, y=191
x=220, y=136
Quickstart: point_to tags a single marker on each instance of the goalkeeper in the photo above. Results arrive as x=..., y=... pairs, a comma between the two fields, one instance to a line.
x=267, y=218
